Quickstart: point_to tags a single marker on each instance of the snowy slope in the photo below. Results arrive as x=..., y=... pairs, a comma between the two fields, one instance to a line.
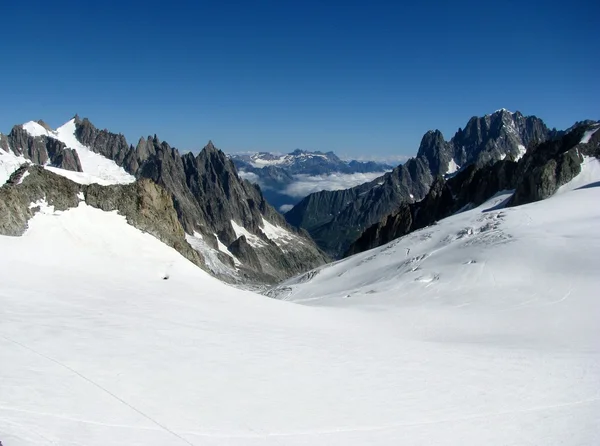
x=96, y=168
x=484, y=333
x=9, y=162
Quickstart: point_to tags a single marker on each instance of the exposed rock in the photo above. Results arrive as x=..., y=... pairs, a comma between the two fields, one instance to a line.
x=145, y=205
x=276, y=173
x=335, y=219
x=538, y=175
x=550, y=165
x=208, y=195
x=40, y=149
x=40, y=184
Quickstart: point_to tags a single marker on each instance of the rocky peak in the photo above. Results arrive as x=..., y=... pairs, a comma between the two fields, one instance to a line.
x=44, y=125
x=208, y=195
x=436, y=151
x=41, y=149
x=209, y=146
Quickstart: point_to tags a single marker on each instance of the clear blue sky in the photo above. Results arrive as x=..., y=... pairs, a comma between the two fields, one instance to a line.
x=358, y=78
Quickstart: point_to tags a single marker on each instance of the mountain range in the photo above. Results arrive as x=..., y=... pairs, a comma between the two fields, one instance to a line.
x=466, y=315
x=224, y=219
x=536, y=176
x=335, y=219
x=286, y=179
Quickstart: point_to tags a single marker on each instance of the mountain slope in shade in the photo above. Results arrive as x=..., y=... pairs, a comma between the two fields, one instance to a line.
x=485, y=332
x=335, y=219
x=537, y=175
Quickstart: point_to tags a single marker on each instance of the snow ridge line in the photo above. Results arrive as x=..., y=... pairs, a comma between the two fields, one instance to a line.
x=122, y=401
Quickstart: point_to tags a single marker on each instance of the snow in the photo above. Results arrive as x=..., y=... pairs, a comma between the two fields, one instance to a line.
x=96, y=168
x=252, y=239
x=25, y=175
x=278, y=234
x=9, y=162
x=211, y=258
x=258, y=161
x=588, y=135
x=522, y=151
x=588, y=177
x=485, y=332
x=35, y=129
x=452, y=167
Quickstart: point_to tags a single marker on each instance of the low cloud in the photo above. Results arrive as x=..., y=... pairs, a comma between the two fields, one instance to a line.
x=285, y=207
x=393, y=160
x=307, y=184
x=250, y=176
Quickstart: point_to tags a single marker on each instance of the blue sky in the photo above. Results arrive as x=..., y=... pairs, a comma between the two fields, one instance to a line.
x=360, y=78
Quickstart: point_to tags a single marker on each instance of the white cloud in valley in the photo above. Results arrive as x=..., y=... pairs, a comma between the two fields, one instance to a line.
x=307, y=184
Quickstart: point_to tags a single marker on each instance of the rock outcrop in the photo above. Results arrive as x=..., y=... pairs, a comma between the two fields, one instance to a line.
x=144, y=204
x=43, y=150
x=209, y=195
x=335, y=219
x=536, y=176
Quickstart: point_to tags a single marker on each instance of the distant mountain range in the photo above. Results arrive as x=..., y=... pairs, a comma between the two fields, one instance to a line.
x=335, y=219
x=286, y=179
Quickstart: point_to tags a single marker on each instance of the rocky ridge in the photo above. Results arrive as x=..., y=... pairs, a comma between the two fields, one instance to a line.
x=536, y=176
x=208, y=197
x=336, y=218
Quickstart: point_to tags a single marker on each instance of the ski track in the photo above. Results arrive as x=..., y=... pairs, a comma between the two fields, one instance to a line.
x=336, y=430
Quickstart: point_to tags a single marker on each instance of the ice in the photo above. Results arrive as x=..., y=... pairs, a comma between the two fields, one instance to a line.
x=522, y=151
x=481, y=329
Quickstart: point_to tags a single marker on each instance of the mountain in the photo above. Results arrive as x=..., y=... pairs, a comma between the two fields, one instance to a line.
x=536, y=176
x=336, y=218
x=226, y=219
x=482, y=329
x=286, y=179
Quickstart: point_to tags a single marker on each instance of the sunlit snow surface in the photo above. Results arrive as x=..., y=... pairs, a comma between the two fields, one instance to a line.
x=96, y=168
x=9, y=162
x=482, y=329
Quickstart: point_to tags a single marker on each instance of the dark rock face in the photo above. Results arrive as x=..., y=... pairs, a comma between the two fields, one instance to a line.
x=335, y=219
x=40, y=184
x=40, y=149
x=110, y=145
x=490, y=137
x=436, y=151
x=538, y=175
x=550, y=165
x=208, y=195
